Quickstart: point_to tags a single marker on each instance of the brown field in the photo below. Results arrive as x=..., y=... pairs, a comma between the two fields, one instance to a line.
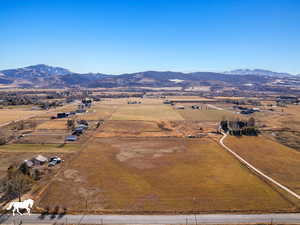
x=137, y=128
x=50, y=137
x=206, y=115
x=276, y=160
x=99, y=111
x=33, y=148
x=185, y=97
x=53, y=124
x=146, y=112
x=159, y=175
x=9, y=115
x=122, y=101
x=287, y=120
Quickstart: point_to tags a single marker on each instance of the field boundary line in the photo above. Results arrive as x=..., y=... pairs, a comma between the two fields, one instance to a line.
x=243, y=161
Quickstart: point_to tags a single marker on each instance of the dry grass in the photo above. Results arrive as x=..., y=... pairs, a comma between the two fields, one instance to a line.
x=146, y=112
x=137, y=128
x=276, y=160
x=15, y=148
x=9, y=115
x=185, y=97
x=53, y=124
x=288, y=120
x=99, y=111
x=159, y=175
x=206, y=115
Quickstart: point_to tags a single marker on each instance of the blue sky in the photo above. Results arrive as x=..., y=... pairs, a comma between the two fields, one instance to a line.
x=118, y=36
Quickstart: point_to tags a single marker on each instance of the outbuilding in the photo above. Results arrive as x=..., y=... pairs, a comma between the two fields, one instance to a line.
x=71, y=138
x=39, y=160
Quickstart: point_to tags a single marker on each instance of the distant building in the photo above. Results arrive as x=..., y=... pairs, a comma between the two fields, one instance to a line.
x=71, y=138
x=195, y=107
x=61, y=115
x=287, y=99
x=180, y=107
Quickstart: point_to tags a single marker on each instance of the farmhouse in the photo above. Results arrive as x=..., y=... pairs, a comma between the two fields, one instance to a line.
x=29, y=163
x=39, y=160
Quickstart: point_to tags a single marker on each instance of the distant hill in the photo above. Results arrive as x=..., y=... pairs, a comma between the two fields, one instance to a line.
x=257, y=72
x=40, y=75
x=40, y=70
x=44, y=76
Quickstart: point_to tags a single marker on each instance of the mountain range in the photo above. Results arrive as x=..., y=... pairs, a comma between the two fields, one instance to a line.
x=258, y=72
x=44, y=76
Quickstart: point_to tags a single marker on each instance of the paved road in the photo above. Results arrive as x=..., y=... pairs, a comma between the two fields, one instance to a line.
x=291, y=218
x=257, y=171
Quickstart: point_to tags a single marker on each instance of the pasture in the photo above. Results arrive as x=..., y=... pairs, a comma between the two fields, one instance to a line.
x=276, y=160
x=146, y=112
x=9, y=115
x=53, y=124
x=211, y=115
x=47, y=148
x=137, y=128
x=159, y=175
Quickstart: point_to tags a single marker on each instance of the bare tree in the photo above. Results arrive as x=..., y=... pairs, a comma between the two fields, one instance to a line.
x=3, y=138
x=17, y=183
x=251, y=122
x=71, y=124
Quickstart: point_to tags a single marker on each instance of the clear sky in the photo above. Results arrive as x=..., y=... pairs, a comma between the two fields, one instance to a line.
x=118, y=36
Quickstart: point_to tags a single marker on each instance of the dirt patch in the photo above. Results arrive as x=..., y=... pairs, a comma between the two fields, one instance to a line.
x=142, y=153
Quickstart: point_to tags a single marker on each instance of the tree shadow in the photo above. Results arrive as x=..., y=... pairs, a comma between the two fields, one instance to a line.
x=54, y=213
x=63, y=213
x=44, y=213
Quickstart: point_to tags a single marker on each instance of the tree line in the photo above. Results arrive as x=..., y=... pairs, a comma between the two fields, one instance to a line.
x=239, y=127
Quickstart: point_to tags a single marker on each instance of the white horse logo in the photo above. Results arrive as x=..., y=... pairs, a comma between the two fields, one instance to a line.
x=27, y=204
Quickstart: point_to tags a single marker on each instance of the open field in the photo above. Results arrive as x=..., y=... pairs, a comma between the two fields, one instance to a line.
x=8, y=115
x=206, y=115
x=122, y=101
x=185, y=97
x=146, y=112
x=137, y=128
x=275, y=160
x=53, y=124
x=49, y=137
x=159, y=175
x=284, y=124
x=98, y=111
x=65, y=148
